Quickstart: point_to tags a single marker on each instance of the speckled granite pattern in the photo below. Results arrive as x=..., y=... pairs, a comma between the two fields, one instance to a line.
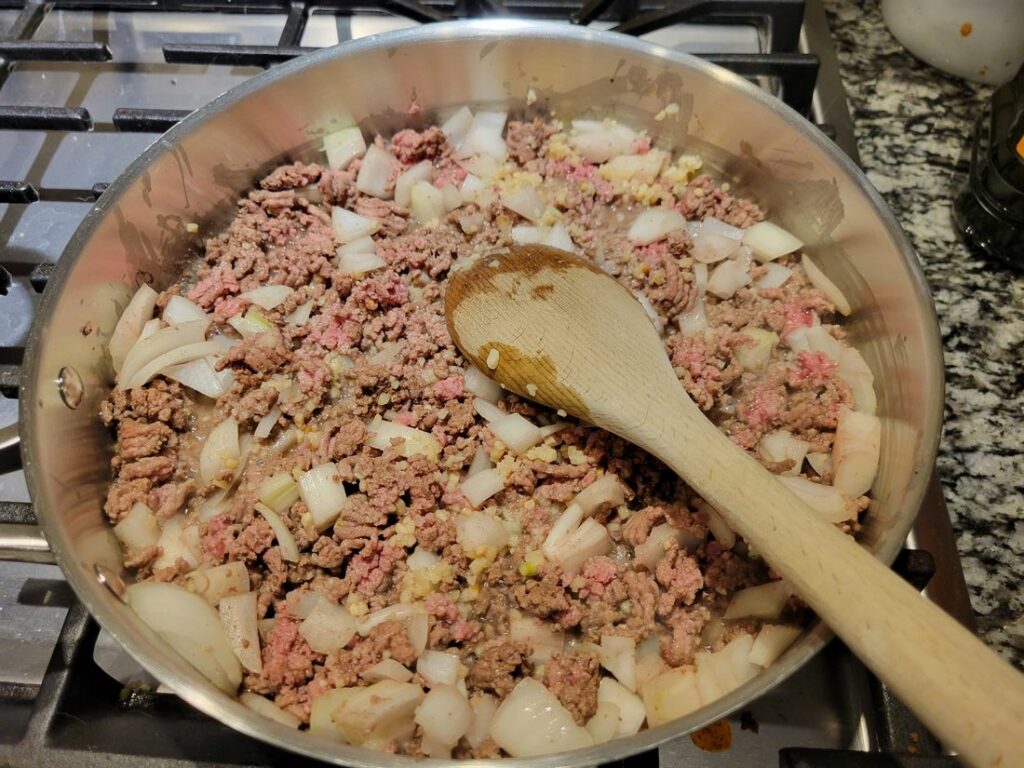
x=911, y=123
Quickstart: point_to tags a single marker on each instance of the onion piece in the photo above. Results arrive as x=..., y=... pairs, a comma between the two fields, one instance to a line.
x=264, y=706
x=727, y=278
x=267, y=423
x=178, y=540
x=349, y=226
x=855, y=452
x=755, y=357
x=670, y=695
x=484, y=136
x=720, y=529
x=285, y=540
x=607, y=490
x=421, y=558
x=422, y=171
x=150, y=328
x=693, y=322
x=213, y=584
x=523, y=199
x=414, y=441
x=482, y=486
x=200, y=376
x=724, y=671
x=473, y=188
x=180, y=310
x=765, y=601
x=599, y=141
x=359, y=263
x=589, y=540
x=650, y=311
x=456, y=127
x=129, y=326
x=564, y=526
x=523, y=234
x=488, y=410
x=444, y=715
x=216, y=504
x=166, y=340
x=278, y=492
x=484, y=706
x=412, y=615
x=558, y=237
x=343, y=146
x=267, y=296
x=623, y=170
x=170, y=611
x=174, y=358
x=553, y=429
x=321, y=722
x=387, y=669
x=769, y=241
x=220, y=451
x=820, y=463
x=374, y=172
x=821, y=281
x=779, y=446
x=378, y=713
x=655, y=224
x=516, y=431
x=618, y=656
x=829, y=502
x=710, y=224
x=238, y=617
x=531, y=721
x=438, y=668
x=856, y=373
x=710, y=247
x=771, y=642
x=481, y=385
x=426, y=202
x=602, y=724
x=252, y=323
x=545, y=638
x=775, y=276
x=451, y=197
x=631, y=710
x=300, y=316
x=481, y=461
x=301, y=602
x=479, y=530
x=328, y=627
x=659, y=541
x=323, y=493
x=139, y=528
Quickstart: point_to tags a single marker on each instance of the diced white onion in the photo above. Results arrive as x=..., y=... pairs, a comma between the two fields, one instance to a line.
x=755, y=357
x=450, y=197
x=769, y=241
x=829, y=502
x=516, y=432
x=177, y=541
x=719, y=227
x=421, y=558
x=278, y=492
x=266, y=423
x=422, y=171
x=552, y=429
x=709, y=245
x=487, y=409
x=343, y=146
x=171, y=360
x=264, y=706
x=771, y=642
x=323, y=493
x=765, y=601
x=820, y=340
x=374, y=172
x=213, y=584
x=158, y=345
x=775, y=276
x=484, y=136
x=631, y=711
x=635, y=169
x=820, y=462
x=724, y=671
x=438, y=668
x=607, y=490
x=524, y=200
x=200, y=376
x=479, y=530
x=600, y=141
x=220, y=450
x=564, y=526
x=589, y=540
x=321, y=721
x=139, y=528
x=328, y=628
x=481, y=461
x=694, y=321
x=238, y=617
x=481, y=385
x=444, y=715
x=523, y=234
x=349, y=226
x=359, y=263
x=426, y=202
x=151, y=327
x=649, y=310
x=412, y=615
x=727, y=278
x=855, y=452
x=472, y=188
x=456, y=127
x=378, y=713
x=252, y=323
x=285, y=540
x=531, y=721
x=856, y=373
x=483, y=167
x=821, y=281
x=482, y=486
x=190, y=626
x=544, y=637
x=387, y=669
x=129, y=326
x=216, y=504
x=602, y=724
x=301, y=602
x=558, y=237
x=414, y=440
x=720, y=529
x=181, y=310
x=655, y=224
x=780, y=446
x=658, y=542
x=618, y=656
x=671, y=695
x=268, y=296
x=484, y=706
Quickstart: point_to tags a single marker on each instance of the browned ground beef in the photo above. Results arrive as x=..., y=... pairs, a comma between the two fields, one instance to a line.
x=376, y=345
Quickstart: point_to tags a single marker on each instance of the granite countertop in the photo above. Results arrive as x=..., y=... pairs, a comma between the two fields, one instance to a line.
x=911, y=122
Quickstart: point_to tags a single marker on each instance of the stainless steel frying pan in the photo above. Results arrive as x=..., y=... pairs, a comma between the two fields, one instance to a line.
x=198, y=169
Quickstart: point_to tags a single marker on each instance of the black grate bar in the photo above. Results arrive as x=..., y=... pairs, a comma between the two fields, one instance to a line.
x=798, y=72
x=231, y=55
x=17, y=692
x=294, y=25
x=590, y=11
x=10, y=380
x=16, y=513
x=414, y=10
x=491, y=7
x=53, y=50
x=657, y=19
x=45, y=119
x=40, y=276
x=17, y=192
x=134, y=120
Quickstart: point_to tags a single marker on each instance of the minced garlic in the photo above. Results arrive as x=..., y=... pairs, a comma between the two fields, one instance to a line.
x=531, y=390
x=531, y=96
x=492, y=359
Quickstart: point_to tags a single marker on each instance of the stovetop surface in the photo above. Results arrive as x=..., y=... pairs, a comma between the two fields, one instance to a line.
x=71, y=707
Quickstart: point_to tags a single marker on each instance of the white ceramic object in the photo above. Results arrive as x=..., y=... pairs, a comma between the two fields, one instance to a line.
x=981, y=40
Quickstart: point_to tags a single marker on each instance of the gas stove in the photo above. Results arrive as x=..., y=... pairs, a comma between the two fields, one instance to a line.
x=84, y=87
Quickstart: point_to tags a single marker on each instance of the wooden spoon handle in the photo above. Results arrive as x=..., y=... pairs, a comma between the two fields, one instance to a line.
x=964, y=692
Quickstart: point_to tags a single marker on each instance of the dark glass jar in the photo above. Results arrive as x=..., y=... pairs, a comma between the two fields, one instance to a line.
x=989, y=205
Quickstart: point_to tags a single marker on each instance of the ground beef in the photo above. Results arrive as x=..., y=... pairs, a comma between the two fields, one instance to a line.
x=574, y=680
x=374, y=347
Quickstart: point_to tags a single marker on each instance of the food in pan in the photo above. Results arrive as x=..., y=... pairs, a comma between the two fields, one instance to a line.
x=329, y=513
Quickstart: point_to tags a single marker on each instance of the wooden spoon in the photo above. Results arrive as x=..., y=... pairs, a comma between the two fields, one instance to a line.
x=552, y=327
